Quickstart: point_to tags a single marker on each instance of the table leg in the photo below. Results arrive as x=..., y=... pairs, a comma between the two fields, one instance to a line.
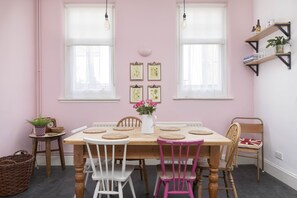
x=79, y=168
x=48, y=156
x=34, y=151
x=61, y=151
x=213, y=171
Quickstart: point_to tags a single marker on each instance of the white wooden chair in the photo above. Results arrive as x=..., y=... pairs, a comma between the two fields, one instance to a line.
x=108, y=174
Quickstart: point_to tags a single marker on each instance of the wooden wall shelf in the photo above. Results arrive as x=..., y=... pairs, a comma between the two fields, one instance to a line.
x=254, y=65
x=271, y=29
x=253, y=41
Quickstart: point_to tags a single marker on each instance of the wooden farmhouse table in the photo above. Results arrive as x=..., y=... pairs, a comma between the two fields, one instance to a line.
x=144, y=146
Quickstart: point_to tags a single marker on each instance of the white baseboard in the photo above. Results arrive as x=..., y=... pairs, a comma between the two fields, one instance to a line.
x=276, y=171
x=281, y=174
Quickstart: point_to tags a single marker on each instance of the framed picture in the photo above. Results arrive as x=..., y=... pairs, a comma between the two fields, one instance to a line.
x=154, y=71
x=136, y=71
x=136, y=93
x=154, y=93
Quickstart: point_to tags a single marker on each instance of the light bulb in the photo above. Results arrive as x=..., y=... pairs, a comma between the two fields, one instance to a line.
x=184, y=23
x=106, y=23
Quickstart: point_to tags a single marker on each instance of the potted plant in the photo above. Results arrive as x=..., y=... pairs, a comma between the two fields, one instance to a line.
x=39, y=125
x=278, y=42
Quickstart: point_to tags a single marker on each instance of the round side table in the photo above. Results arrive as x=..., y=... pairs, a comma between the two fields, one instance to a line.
x=47, y=138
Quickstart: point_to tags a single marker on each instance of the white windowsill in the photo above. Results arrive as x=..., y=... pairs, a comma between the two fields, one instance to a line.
x=206, y=98
x=88, y=100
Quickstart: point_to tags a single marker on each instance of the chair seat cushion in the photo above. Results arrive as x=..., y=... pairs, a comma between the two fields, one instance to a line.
x=250, y=143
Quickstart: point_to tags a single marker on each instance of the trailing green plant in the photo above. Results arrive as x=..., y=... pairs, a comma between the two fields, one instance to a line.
x=39, y=122
x=278, y=40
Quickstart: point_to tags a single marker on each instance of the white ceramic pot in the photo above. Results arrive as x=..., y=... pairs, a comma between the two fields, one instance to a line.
x=148, y=123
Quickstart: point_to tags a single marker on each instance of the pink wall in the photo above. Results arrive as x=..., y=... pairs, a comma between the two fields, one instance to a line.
x=17, y=63
x=150, y=24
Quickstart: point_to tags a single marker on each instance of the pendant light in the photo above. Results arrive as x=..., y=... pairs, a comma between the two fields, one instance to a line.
x=184, y=16
x=106, y=23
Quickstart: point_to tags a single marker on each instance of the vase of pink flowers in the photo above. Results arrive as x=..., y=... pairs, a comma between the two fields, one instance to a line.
x=145, y=108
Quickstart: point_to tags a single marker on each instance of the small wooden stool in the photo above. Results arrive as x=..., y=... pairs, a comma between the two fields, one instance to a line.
x=47, y=138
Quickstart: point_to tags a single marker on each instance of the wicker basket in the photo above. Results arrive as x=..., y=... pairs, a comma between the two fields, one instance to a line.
x=15, y=173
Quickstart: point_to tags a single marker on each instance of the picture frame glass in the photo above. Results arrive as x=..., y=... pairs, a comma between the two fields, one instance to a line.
x=136, y=71
x=136, y=94
x=154, y=71
x=154, y=93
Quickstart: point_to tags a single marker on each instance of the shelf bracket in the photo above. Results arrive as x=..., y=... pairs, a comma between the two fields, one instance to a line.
x=287, y=31
x=254, y=44
x=255, y=68
x=286, y=62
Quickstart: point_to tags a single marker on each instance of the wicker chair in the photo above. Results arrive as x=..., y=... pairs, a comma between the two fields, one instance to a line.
x=131, y=121
x=226, y=164
x=251, y=147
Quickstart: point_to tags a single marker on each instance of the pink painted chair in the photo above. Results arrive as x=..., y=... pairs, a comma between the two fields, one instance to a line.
x=179, y=174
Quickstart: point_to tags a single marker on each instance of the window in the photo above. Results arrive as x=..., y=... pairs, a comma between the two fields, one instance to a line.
x=89, y=53
x=202, y=52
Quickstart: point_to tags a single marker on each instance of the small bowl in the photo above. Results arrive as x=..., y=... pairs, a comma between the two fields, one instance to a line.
x=57, y=129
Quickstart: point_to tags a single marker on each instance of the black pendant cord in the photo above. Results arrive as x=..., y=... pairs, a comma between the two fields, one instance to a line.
x=106, y=16
x=184, y=16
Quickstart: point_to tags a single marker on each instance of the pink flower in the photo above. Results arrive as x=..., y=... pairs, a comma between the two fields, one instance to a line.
x=145, y=106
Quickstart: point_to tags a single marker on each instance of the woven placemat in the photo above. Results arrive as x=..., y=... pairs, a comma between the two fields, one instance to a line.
x=123, y=128
x=94, y=130
x=200, y=132
x=114, y=136
x=169, y=129
x=172, y=136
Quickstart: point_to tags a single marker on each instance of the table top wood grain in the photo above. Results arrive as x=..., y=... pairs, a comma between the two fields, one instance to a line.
x=138, y=138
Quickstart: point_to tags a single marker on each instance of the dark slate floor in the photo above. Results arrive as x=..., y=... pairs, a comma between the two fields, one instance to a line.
x=61, y=185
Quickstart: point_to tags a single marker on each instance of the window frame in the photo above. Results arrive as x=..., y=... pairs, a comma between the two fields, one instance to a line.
x=196, y=95
x=67, y=68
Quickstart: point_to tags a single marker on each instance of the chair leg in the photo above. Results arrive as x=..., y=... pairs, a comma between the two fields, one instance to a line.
x=145, y=176
x=263, y=170
x=236, y=158
x=226, y=183
x=132, y=187
x=166, y=190
x=199, y=185
x=258, y=168
x=141, y=169
x=86, y=178
x=100, y=188
x=232, y=184
x=96, y=190
x=190, y=190
x=120, y=189
x=157, y=187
